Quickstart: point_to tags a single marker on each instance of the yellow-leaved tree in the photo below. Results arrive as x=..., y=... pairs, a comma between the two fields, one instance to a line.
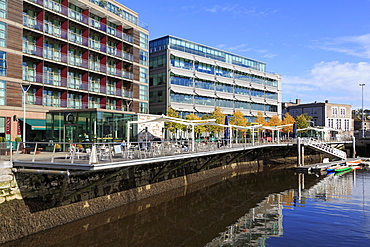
x=288, y=119
x=261, y=119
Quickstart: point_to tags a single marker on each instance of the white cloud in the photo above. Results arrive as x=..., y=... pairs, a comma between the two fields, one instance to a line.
x=237, y=9
x=358, y=46
x=333, y=81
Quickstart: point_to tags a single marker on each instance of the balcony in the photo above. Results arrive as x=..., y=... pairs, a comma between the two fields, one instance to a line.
x=53, y=30
x=77, y=61
x=53, y=54
x=52, y=78
x=94, y=44
x=32, y=49
x=31, y=22
x=94, y=86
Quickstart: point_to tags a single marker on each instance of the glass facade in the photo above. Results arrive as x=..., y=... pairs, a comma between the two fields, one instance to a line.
x=204, y=51
x=100, y=126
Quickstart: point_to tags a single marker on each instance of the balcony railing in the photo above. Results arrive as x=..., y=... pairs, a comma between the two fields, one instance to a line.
x=52, y=29
x=94, y=86
x=31, y=22
x=31, y=48
x=53, y=54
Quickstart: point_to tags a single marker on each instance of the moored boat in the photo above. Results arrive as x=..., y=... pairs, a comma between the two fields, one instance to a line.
x=343, y=168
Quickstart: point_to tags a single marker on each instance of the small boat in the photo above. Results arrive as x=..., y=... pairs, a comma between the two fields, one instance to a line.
x=342, y=172
x=343, y=168
x=355, y=167
x=332, y=168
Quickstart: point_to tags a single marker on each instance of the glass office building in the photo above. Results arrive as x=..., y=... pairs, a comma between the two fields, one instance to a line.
x=194, y=78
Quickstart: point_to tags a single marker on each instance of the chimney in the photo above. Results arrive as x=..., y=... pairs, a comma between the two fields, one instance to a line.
x=298, y=101
x=326, y=101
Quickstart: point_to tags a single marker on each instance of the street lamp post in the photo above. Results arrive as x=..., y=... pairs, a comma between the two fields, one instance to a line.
x=24, y=91
x=362, y=117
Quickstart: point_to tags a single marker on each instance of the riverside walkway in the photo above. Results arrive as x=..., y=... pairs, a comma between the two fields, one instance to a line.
x=100, y=156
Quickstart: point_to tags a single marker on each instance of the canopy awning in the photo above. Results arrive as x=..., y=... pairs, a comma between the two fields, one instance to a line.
x=36, y=124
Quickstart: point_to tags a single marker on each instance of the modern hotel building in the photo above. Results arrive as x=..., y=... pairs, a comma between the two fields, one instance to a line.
x=70, y=55
x=194, y=78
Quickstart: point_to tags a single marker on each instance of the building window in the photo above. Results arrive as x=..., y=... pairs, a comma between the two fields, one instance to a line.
x=2, y=92
x=143, y=107
x=157, y=79
x=2, y=63
x=334, y=111
x=144, y=58
x=3, y=8
x=157, y=62
x=182, y=63
x=144, y=40
x=342, y=112
x=144, y=75
x=143, y=93
x=2, y=34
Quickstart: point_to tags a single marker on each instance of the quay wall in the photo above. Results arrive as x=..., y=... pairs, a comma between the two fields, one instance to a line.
x=31, y=203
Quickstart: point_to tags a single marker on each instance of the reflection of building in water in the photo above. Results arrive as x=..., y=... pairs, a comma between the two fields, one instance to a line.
x=258, y=224
x=332, y=187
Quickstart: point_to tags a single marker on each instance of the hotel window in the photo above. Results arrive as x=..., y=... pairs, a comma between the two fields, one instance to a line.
x=2, y=34
x=157, y=97
x=144, y=57
x=2, y=92
x=143, y=107
x=144, y=75
x=2, y=63
x=29, y=71
x=3, y=8
x=143, y=92
x=144, y=40
x=51, y=98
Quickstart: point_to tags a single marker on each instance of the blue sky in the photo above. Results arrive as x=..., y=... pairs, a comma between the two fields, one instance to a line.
x=320, y=47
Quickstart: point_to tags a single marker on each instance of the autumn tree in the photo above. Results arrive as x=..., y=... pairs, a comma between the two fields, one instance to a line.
x=261, y=119
x=288, y=119
x=238, y=119
x=199, y=128
x=220, y=119
x=274, y=121
x=171, y=126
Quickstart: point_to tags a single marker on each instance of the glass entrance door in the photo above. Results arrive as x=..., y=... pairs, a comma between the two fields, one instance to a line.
x=70, y=133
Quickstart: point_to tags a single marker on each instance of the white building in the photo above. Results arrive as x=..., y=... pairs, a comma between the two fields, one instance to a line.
x=324, y=114
x=193, y=78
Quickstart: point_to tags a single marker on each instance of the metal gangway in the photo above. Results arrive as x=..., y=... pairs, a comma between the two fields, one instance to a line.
x=323, y=147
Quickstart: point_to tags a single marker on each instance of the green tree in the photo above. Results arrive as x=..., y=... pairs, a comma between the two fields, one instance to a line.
x=301, y=121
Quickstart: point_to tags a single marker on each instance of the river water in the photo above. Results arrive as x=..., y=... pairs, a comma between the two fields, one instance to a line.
x=270, y=208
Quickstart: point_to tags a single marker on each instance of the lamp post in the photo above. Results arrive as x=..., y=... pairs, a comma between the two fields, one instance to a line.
x=362, y=117
x=24, y=91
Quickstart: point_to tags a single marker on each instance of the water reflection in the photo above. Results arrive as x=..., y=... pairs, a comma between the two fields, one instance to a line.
x=246, y=210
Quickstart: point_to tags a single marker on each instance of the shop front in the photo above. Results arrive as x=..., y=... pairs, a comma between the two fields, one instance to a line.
x=88, y=125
